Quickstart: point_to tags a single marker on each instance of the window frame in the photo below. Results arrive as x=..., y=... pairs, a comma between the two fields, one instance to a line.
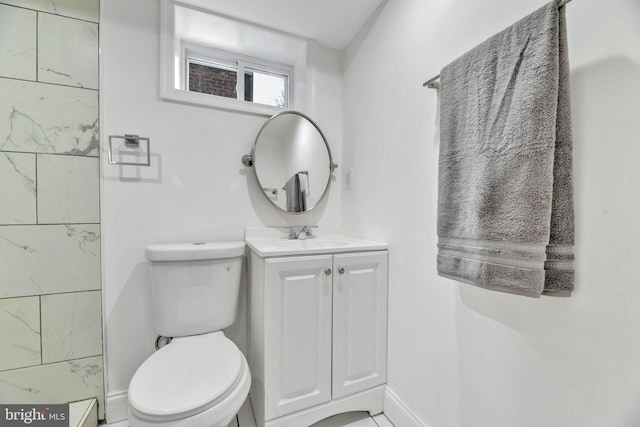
x=304, y=70
x=240, y=63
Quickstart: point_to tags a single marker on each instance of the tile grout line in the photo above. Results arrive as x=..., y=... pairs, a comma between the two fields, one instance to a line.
x=51, y=153
x=40, y=318
x=46, y=224
x=51, y=13
x=52, y=293
x=37, y=46
x=52, y=363
x=47, y=83
x=36, y=185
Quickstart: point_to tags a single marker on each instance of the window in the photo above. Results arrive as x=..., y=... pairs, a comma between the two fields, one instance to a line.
x=217, y=61
x=267, y=88
x=220, y=73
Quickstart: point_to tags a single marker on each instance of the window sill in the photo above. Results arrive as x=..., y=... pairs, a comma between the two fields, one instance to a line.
x=211, y=101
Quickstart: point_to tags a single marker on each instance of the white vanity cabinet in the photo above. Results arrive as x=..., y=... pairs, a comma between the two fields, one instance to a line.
x=317, y=335
x=297, y=333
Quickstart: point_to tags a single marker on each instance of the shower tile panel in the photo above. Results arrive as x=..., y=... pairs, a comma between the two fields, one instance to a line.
x=55, y=383
x=18, y=189
x=41, y=259
x=71, y=326
x=50, y=298
x=17, y=43
x=20, y=326
x=67, y=51
x=68, y=189
x=44, y=118
x=85, y=9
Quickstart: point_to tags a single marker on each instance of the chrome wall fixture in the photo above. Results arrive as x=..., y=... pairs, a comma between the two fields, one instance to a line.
x=132, y=142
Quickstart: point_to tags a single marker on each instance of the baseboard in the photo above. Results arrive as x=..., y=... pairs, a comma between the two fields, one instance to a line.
x=116, y=407
x=394, y=408
x=398, y=412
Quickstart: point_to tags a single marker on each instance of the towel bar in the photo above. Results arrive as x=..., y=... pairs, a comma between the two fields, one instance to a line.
x=132, y=142
x=433, y=82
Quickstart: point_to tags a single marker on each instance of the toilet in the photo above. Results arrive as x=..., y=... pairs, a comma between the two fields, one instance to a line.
x=200, y=378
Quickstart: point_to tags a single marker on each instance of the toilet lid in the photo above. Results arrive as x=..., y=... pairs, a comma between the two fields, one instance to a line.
x=186, y=377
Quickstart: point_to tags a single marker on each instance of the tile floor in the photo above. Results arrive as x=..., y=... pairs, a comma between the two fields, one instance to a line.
x=355, y=419
x=351, y=419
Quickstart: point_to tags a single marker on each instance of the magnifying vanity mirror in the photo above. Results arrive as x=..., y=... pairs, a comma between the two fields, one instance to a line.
x=292, y=161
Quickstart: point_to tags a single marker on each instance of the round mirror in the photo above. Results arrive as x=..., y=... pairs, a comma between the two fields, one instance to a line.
x=292, y=161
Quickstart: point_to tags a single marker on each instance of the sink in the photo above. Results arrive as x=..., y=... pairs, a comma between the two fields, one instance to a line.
x=277, y=245
x=316, y=242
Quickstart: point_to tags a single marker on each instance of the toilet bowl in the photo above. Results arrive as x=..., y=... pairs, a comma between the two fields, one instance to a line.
x=195, y=381
x=201, y=378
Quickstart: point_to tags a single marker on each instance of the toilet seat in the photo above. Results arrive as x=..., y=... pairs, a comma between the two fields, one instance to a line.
x=186, y=377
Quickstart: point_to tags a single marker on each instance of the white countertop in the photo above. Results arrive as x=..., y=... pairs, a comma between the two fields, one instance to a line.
x=269, y=242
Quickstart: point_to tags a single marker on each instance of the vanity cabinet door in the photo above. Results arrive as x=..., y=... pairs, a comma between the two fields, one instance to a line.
x=297, y=329
x=359, y=322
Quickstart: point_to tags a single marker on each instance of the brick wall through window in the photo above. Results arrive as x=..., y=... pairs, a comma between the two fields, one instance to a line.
x=212, y=80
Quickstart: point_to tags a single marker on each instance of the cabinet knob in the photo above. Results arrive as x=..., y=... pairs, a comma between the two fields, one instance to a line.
x=341, y=270
x=327, y=271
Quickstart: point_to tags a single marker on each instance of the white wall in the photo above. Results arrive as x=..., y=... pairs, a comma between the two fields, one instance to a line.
x=196, y=188
x=460, y=355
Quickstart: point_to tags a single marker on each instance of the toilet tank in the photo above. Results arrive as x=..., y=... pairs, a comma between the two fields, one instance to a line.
x=195, y=286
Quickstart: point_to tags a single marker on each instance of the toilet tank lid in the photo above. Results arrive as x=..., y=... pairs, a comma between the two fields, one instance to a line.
x=194, y=251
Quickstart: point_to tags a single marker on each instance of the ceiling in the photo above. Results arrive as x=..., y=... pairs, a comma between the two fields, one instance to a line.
x=332, y=23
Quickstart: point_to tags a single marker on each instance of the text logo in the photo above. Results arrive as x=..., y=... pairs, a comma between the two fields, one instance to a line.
x=35, y=415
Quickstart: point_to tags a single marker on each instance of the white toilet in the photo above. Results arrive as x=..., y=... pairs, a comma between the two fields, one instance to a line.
x=199, y=379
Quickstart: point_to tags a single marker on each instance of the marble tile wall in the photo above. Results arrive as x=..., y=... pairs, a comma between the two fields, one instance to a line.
x=50, y=291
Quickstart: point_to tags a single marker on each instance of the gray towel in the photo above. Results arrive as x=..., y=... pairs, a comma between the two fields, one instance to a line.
x=505, y=195
x=296, y=190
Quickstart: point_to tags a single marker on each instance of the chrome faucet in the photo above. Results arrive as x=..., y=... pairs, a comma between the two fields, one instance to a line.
x=302, y=234
x=306, y=233
x=292, y=233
